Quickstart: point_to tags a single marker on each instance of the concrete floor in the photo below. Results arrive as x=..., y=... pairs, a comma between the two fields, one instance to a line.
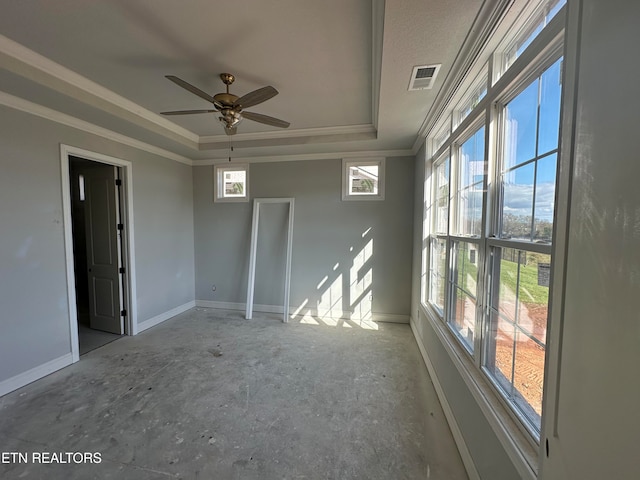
x=90, y=339
x=210, y=395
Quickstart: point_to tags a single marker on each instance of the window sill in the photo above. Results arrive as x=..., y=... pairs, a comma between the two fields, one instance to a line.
x=518, y=447
x=232, y=200
x=362, y=198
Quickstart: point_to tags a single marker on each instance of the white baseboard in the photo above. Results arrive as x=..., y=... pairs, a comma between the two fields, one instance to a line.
x=390, y=318
x=377, y=317
x=221, y=305
x=152, y=322
x=36, y=373
x=467, y=460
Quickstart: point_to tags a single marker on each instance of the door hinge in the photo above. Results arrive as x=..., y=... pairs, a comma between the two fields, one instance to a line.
x=121, y=270
x=123, y=313
x=118, y=182
x=120, y=226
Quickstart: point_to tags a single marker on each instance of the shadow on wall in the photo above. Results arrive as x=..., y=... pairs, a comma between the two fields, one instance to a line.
x=344, y=296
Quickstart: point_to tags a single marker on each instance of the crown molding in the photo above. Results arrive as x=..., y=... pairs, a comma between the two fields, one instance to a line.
x=26, y=106
x=377, y=18
x=29, y=64
x=305, y=157
x=297, y=133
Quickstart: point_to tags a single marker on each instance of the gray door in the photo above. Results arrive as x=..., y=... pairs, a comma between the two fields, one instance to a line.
x=101, y=216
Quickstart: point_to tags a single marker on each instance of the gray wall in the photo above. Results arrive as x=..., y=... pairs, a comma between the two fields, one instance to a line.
x=34, y=316
x=598, y=427
x=327, y=231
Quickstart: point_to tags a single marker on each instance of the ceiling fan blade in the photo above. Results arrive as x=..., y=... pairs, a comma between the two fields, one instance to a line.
x=267, y=120
x=186, y=112
x=191, y=88
x=257, y=96
x=230, y=130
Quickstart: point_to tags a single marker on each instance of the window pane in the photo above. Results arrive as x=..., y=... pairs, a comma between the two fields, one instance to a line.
x=442, y=197
x=464, y=291
x=471, y=164
x=533, y=294
x=545, y=197
x=520, y=127
x=527, y=377
x=550, y=89
x=463, y=313
x=506, y=299
x=532, y=30
x=363, y=180
x=515, y=350
x=438, y=265
x=234, y=183
x=502, y=333
x=517, y=202
x=442, y=135
x=469, y=199
x=472, y=97
x=528, y=191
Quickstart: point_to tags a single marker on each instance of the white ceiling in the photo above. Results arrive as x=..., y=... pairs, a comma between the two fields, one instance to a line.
x=342, y=68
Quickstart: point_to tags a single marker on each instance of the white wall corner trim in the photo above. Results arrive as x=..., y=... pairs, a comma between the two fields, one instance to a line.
x=36, y=373
x=153, y=321
x=467, y=460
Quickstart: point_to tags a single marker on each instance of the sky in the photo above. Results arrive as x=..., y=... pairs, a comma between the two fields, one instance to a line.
x=533, y=119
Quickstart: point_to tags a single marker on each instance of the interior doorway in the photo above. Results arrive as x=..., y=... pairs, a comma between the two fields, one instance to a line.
x=97, y=226
x=99, y=248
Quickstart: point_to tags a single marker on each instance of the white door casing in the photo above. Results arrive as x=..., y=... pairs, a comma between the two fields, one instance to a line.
x=128, y=240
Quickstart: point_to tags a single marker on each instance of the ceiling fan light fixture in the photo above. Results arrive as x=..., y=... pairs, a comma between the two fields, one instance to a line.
x=229, y=105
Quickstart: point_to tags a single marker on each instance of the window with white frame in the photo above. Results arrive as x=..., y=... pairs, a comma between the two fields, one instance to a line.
x=231, y=183
x=491, y=216
x=520, y=249
x=363, y=179
x=436, y=280
x=466, y=228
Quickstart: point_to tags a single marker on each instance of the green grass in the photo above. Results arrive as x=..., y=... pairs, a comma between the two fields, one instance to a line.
x=530, y=291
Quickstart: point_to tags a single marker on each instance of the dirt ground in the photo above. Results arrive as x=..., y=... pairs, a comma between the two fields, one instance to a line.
x=529, y=365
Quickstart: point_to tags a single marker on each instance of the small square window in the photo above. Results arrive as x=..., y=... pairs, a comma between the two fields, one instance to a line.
x=231, y=183
x=363, y=179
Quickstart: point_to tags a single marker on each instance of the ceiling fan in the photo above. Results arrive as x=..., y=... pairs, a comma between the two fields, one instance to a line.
x=230, y=106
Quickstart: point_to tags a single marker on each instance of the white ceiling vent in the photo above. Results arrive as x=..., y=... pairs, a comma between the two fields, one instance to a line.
x=423, y=76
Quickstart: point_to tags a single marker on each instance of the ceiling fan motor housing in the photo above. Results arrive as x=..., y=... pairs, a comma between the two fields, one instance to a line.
x=227, y=99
